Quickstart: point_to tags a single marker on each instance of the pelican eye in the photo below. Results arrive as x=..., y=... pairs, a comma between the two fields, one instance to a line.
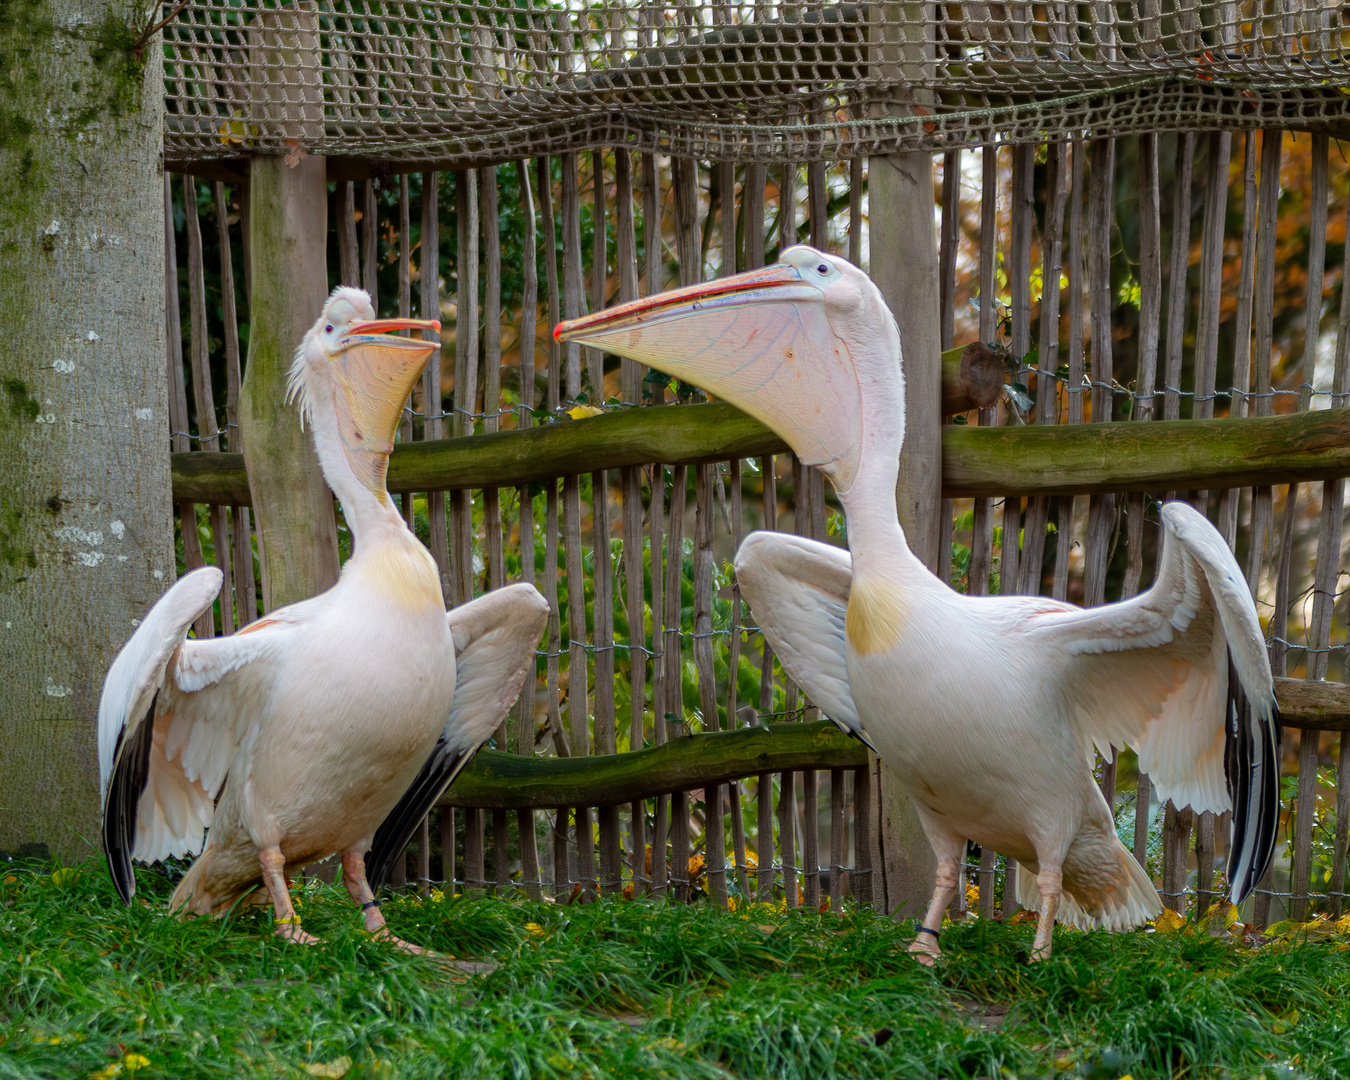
x=822, y=269
x=328, y=329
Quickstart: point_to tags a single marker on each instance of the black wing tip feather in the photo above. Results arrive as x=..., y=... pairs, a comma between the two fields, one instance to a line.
x=859, y=735
x=392, y=837
x=121, y=812
x=1256, y=800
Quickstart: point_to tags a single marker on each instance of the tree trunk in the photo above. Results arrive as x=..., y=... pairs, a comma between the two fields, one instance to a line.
x=86, y=533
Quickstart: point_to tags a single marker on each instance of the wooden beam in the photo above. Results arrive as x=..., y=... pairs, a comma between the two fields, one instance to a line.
x=1313, y=706
x=1159, y=456
x=508, y=781
x=1168, y=455
x=498, y=781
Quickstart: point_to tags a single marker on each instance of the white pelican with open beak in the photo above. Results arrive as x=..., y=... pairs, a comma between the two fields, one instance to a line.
x=988, y=709
x=332, y=725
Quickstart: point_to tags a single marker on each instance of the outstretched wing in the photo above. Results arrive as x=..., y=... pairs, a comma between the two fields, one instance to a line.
x=798, y=592
x=495, y=637
x=170, y=719
x=1180, y=673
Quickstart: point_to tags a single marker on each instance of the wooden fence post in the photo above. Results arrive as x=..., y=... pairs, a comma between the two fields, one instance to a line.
x=903, y=263
x=288, y=212
x=288, y=225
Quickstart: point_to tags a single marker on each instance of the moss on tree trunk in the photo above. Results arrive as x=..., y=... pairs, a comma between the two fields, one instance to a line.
x=86, y=537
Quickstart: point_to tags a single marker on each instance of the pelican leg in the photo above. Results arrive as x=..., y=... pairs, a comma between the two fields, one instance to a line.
x=1050, y=884
x=358, y=888
x=273, y=864
x=924, y=947
x=949, y=849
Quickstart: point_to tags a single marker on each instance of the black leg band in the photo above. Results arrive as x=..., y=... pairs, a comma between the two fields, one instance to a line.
x=925, y=930
x=370, y=904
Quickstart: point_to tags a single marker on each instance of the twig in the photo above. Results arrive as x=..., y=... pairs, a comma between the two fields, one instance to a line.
x=138, y=50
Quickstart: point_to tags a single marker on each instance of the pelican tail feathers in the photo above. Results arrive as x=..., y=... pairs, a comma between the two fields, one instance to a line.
x=1133, y=902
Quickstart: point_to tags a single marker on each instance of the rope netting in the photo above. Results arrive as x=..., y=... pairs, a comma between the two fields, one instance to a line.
x=469, y=82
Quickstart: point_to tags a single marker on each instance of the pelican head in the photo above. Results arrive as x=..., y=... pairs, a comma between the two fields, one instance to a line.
x=807, y=346
x=351, y=379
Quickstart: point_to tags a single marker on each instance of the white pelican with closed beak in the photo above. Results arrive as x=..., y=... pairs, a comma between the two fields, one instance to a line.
x=331, y=725
x=987, y=708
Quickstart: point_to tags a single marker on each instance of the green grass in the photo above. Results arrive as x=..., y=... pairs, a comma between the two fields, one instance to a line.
x=90, y=988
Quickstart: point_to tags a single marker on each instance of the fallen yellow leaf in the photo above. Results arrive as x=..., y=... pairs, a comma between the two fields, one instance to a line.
x=1219, y=918
x=335, y=1069
x=1169, y=922
x=580, y=412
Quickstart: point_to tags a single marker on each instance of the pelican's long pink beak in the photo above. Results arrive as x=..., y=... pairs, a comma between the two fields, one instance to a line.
x=374, y=372
x=761, y=340
x=376, y=329
x=775, y=283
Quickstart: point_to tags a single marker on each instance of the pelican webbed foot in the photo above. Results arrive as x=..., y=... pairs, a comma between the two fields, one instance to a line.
x=292, y=932
x=924, y=948
x=390, y=938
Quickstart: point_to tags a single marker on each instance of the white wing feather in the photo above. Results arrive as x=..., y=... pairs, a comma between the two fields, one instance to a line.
x=798, y=592
x=208, y=696
x=1152, y=672
x=138, y=670
x=495, y=637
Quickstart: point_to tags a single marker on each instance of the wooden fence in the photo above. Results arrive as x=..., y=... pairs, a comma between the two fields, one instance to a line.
x=627, y=521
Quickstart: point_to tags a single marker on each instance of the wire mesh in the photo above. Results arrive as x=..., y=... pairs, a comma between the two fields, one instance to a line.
x=477, y=81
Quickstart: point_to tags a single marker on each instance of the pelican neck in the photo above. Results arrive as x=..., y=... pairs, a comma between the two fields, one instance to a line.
x=876, y=539
x=369, y=516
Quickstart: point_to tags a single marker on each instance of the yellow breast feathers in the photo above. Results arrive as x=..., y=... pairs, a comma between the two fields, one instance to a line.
x=406, y=575
x=876, y=615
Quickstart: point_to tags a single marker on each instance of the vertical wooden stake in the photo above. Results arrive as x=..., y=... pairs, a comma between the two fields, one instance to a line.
x=660, y=643
x=715, y=833
x=208, y=435
x=433, y=426
x=764, y=786
x=241, y=528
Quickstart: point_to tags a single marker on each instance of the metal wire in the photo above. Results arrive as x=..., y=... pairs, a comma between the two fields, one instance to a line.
x=1116, y=389
x=205, y=438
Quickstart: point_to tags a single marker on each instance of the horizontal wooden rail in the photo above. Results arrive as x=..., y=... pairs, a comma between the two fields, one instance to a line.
x=972, y=378
x=1058, y=460
x=1166, y=455
x=497, y=781
x=673, y=435
x=1313, y=706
